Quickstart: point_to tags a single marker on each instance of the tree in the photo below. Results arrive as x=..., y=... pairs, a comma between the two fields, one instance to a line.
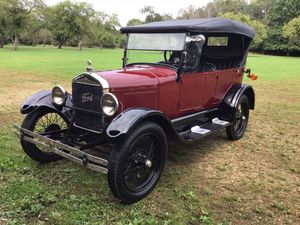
x=105, y=28
x=61, y=19
x=214, y=8
x=134, y=22
x=280, y=13
x=260, y=28
x=291, y=30
x=3, y=23
x=18, y=12
x=45, y=35
x=191, y=12
x=152, y=16
x=82, y=13
x=259, y=10
x=30, y=35
x=219, y=7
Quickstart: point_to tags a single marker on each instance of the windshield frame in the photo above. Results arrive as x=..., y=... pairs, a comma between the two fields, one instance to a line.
x=125, y=51
x=162, y=35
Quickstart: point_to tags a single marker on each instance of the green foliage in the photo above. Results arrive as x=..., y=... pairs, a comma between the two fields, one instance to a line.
x=134, y=22
x=281, y=12
x=266, y=16
x=17, y=14
x=259, y=9
x=31, y=22
x=291, y=30
x=259, y=27
x=62, y=19
x=152, y=16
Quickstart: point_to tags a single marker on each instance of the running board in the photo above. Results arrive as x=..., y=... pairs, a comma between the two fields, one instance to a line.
x=197, y=132
x=73, y=154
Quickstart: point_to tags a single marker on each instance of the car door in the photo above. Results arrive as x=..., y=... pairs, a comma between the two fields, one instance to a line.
x=211, y=84
x=224, y=82
x=192, y=92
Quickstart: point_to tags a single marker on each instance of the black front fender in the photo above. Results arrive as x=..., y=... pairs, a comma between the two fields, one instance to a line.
x=44, y=99
x=127, y=120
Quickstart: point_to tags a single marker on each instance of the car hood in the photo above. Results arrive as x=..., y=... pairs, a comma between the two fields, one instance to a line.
x=138, y=76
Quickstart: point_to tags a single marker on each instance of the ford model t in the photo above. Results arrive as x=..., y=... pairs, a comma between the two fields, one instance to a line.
x=118, y=122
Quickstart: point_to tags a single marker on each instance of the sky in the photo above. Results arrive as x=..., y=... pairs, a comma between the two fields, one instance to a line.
x=128, y=9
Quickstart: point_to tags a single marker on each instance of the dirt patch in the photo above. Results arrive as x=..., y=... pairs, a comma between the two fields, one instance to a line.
x=17, y=87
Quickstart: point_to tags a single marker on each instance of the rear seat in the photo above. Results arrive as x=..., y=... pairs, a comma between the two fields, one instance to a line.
x=219, y=63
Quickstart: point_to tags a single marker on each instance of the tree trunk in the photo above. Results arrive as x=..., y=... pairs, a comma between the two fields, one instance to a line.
x=15, y=44
x=80, y=45
x=59, y=45
x=44, y=43
x=1, y=44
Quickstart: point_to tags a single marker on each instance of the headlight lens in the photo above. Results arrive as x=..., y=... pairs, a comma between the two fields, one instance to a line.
x=109, y=104
x=59, y=95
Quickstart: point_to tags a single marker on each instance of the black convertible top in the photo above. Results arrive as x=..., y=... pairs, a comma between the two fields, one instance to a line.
x=207, y=25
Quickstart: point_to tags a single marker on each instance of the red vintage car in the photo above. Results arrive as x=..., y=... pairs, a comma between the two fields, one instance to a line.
x=117, y=122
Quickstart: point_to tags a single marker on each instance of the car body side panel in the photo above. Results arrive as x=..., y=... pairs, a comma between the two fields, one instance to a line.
x=169, y=96
x=224, y=83
x=211, y=83
x=192, y=92
x=155, y=87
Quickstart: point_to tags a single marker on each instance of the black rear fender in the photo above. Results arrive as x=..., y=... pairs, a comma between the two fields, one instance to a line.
x=233, y=96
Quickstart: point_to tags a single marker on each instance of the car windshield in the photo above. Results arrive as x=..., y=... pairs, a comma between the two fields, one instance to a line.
x=153, y=41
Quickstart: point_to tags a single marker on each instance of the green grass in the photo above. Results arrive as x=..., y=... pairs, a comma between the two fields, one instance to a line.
x=254, y=180
x=68, y=62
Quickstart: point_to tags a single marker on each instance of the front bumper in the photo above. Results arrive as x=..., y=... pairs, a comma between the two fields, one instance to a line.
x=73, y=154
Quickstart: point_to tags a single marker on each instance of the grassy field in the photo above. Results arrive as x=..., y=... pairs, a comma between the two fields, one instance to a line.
x=255, y=180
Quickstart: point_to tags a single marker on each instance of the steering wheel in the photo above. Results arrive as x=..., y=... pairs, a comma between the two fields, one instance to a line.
x=172, y=58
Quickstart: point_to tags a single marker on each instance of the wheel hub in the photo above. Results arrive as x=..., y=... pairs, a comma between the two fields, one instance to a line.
x=148, y=163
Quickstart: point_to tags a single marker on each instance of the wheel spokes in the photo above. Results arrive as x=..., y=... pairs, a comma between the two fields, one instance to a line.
x=50, y=123
x=140, y=162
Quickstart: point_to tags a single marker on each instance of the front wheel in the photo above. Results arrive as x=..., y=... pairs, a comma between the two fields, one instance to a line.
x=46, y=122
x=240, y=122
x=136, y=165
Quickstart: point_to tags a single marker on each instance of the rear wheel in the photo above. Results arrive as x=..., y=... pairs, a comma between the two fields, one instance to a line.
x=238, y=128
x=136, y=165
x=44, y=121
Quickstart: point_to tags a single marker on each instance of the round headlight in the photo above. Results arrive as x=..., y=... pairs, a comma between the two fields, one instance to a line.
x=109, y=104
x=59, y=95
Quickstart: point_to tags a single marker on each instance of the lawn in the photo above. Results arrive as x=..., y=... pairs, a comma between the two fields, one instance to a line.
x=255, y=180
x=68, y=62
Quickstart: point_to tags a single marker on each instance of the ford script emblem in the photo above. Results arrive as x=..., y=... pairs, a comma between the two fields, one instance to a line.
x=86, y=97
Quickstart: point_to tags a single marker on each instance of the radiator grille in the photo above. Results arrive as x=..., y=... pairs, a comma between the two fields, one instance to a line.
x=87, y=95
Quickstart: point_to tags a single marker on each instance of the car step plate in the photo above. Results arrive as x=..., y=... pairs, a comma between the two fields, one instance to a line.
x=199, y=131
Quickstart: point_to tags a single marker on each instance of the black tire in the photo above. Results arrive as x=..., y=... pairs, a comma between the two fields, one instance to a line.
x=143, y=151
x=32, y=122
x=240, y=122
